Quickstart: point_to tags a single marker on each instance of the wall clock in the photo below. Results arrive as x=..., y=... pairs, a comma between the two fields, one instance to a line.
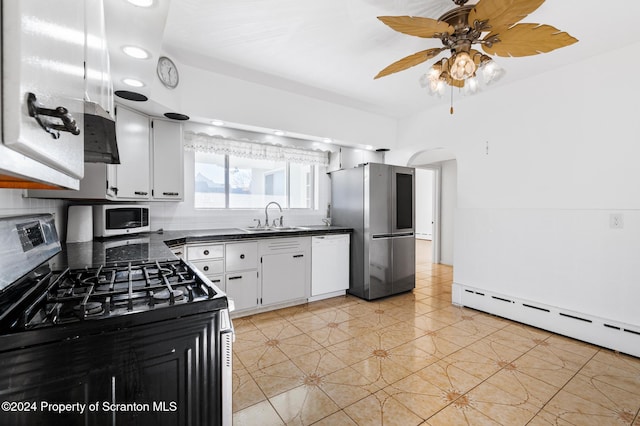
x=167, y=72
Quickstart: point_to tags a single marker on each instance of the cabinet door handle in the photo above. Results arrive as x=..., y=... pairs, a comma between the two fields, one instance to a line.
x=215, y=281
x=206, y=252
x=171, y=194
x=61, y=113
x=298, y=255
x=114, y=189
x=242, y=256
x=235, y=278
x=141, y=193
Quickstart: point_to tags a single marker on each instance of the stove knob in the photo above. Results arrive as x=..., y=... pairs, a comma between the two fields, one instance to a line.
x=206, y=268
x=206, y=252
x=242, y=256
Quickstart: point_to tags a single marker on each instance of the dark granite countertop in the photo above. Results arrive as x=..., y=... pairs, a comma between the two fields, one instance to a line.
x=155, y=246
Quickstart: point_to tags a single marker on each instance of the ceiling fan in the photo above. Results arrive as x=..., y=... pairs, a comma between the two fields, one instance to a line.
x=492, y=24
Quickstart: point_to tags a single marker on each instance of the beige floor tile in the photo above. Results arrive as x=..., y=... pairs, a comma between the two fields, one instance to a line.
x=351, y=351
x=320, y=363
x=579, y=411
x=263, y=414
x=347, y=386
x=473, y=363
x=603, y=394
x=415, y=358
x=522, y=387
x=494, y=350
x=339, y=418
x=547, y=371
x=616, y=375
x=379, y=370
x=262, y=356
x=303, y=405
x=419, y=395
x=281, y=331
x=512, y=340
x=298, y=345
x=329, y=335
x=459, y=414
x=435, y=345
x=246, y=391
x=381, y=409
x=449, y=378
x=278, y=378
x=411, y=357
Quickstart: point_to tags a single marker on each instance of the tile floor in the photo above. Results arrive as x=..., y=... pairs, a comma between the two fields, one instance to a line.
x=414, y=359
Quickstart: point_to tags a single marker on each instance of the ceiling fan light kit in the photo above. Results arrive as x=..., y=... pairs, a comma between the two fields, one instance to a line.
x=492, y=24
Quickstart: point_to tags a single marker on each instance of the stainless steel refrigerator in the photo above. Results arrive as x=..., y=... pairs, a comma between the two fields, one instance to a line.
x=377, y=201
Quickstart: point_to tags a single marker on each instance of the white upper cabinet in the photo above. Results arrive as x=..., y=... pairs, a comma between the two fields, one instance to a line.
x=43, y=48
x=168, y=154
x=132, y=175
x=98, y=85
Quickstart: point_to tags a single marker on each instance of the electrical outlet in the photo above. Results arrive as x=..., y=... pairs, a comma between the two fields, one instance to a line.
x=616, y=221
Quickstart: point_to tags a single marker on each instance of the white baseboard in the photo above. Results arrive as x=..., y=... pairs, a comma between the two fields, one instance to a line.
x=578, y=325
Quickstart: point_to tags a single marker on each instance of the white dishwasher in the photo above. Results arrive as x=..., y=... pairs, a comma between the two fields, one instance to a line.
x=329, y=264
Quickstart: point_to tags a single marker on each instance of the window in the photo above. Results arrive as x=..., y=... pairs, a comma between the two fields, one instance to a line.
x=235, y=182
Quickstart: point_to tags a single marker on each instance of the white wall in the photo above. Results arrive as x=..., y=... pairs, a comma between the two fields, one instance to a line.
x=448, y=202
x=12, y=203
x=210, y=95
x=532, y=217
x=424, y=204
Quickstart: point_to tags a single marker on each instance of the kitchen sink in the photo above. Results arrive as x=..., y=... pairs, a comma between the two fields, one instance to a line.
x=254, y=229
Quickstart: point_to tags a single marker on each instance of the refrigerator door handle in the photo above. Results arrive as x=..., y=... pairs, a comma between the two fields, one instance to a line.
x=403, y=234
x=377, y=236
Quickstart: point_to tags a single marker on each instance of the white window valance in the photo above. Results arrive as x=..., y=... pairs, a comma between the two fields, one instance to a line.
x=202, y=142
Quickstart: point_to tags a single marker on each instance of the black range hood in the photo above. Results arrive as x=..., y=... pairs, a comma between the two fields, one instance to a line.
x=100, y=145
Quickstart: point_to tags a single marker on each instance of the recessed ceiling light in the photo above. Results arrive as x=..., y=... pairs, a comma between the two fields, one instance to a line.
x=278, y=132
x=136, y=52
x=327, y=140
x=141, y=3
x=369, y=147
x=217, y=122
x=132, y=82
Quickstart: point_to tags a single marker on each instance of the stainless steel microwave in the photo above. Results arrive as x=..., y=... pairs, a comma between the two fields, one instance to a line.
x=120, y=219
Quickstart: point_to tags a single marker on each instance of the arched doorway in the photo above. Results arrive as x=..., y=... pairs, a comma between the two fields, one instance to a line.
x=441, y=188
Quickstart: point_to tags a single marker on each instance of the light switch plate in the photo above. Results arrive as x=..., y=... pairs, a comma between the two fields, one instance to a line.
x=616, y=221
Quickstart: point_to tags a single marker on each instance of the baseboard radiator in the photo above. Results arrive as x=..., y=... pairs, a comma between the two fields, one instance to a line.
x=610, y=334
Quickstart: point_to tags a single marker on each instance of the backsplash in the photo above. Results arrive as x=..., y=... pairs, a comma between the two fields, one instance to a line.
x=12, y=203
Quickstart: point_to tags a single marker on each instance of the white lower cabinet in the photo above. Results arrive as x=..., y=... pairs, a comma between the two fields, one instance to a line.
x=242, y=288
x=257, y=274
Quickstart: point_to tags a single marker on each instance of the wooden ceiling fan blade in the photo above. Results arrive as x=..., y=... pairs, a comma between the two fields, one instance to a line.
x=409, y=61
x=417, y=26
x=527, y=40
x=502, y=13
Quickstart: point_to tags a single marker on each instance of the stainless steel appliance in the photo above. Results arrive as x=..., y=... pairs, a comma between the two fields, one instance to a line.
x=145, y=343
x=377, y=201
x=120, y=219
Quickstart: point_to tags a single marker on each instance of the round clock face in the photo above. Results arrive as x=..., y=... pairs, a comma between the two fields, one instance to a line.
x=167, y=72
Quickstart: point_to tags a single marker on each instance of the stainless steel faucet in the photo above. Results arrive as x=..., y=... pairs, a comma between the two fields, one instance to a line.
x=266, y=214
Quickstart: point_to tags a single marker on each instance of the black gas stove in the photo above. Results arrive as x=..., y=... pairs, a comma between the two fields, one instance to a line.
x=154, y=335
x=108, y=291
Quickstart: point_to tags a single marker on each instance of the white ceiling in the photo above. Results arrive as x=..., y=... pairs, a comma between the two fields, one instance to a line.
x=332, y=49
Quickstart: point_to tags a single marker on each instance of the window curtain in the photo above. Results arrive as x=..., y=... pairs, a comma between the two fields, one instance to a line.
x=201, y=142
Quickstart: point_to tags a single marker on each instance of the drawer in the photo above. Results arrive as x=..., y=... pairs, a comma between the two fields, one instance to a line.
x=241, y=256
x=218, y=281
x=205, y=252
x=209, y=267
